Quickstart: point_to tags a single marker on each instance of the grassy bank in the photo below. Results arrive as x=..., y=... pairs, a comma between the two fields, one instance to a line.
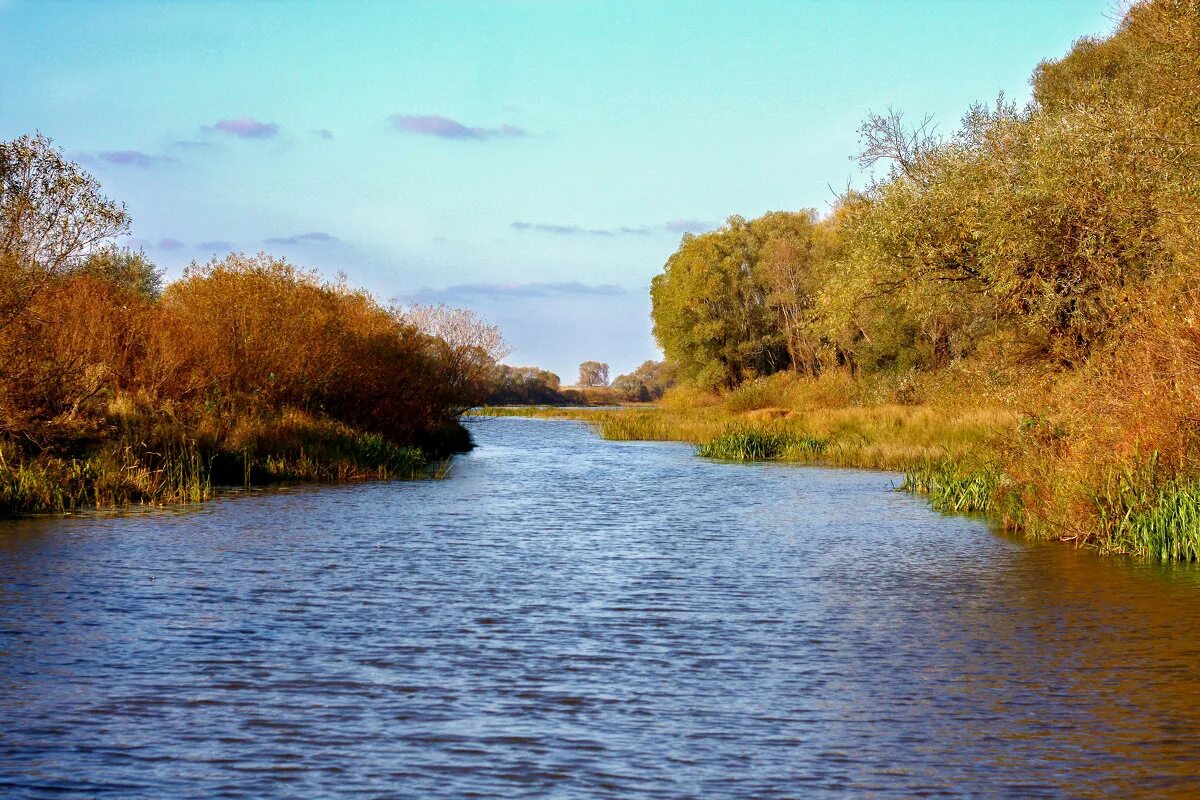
x=174, y=464
x=789, y=419
x=1008, y=311
x=896, y=438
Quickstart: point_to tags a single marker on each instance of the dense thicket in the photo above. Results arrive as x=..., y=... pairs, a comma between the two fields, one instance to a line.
x=1051, y=253
x=105, y=373
x=646, y=383
x=525, y=386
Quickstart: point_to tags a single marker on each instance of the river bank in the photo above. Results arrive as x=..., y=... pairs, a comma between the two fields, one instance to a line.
x=189, y=464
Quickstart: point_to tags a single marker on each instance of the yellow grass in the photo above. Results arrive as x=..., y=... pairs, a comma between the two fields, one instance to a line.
x=887, y=436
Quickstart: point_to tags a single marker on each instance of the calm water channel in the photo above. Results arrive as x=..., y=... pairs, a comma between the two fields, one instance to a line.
x=569, y=617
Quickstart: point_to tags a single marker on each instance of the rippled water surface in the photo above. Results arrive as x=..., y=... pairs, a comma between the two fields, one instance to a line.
x=568, y=617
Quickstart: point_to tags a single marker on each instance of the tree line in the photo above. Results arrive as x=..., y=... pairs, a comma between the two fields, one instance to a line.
x=1046, y=256
x=1029, y=235
x=536, y=386
x=106, y=369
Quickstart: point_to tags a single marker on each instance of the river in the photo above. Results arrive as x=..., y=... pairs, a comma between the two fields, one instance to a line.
x=569, y=617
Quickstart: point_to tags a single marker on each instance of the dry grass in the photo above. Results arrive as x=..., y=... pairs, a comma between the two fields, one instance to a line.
x=889, y=436
x=1103, y=457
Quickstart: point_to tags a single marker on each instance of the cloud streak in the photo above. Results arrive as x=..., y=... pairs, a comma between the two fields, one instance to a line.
x=493, y=291
x=245, y=128
x=446, y=128
x=301, y=238
x=564, y=230
x=671, y=226
x=132, y=158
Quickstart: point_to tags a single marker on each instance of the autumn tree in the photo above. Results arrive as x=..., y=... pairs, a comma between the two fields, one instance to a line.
x=712, y=305
x=52, y=215
x=471, y=346
x=593, y=373
x=62, y=312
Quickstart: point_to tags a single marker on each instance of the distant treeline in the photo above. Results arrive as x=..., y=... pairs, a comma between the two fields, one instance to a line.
x=115, y=388
x=534, y=386
x=1045, y=258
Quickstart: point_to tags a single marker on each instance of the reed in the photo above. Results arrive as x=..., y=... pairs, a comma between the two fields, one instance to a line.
x=1168, y=530
x=180, y=470
x=749, y=444
x=114, y=477
x=953, y=488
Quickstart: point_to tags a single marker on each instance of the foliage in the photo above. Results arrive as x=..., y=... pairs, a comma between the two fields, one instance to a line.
x=116, y=389
x=1037, y=263
x=51, y=211
x=524, y=386
x=593, y=373
x=711, y=309
x=646, y=383
x=126, y=270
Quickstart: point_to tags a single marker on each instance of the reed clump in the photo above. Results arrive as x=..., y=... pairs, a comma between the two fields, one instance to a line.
x=953, y=488
x=1167, y=530
x=750, y=444
x=110, y=478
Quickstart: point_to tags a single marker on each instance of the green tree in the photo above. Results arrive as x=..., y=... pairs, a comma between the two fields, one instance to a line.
x=648, y=382
x=712, y=308
x=126, y=269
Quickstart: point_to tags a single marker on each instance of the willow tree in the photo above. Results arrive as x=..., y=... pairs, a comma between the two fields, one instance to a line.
x=793, y=264
x=714, y=309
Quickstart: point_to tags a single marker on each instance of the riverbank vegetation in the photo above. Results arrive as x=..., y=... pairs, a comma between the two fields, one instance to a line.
x=531, y=386
x=1010, y=313
x=117, y=389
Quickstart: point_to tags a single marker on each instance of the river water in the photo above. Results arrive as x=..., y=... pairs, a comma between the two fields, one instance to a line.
x=569, y=617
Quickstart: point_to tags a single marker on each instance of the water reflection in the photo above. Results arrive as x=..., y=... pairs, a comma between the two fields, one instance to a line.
x=577, y=618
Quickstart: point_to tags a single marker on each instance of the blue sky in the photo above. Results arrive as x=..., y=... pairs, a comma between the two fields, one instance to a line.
x=535, y=161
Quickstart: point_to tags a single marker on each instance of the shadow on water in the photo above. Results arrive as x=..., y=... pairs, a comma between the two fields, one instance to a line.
x=568, y=617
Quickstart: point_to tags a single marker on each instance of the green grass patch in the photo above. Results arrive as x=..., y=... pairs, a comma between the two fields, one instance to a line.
x=1169, y=530
x=750, y=444
x=1144, y=513
x=952, y=488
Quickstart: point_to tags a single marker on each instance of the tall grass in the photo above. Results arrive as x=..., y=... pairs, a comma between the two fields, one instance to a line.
x=1146, y=510
x=1169, y=530
x=891, y=437
x=293, y=447
x=114, y=477
x=749, y=444
x=952, y=488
